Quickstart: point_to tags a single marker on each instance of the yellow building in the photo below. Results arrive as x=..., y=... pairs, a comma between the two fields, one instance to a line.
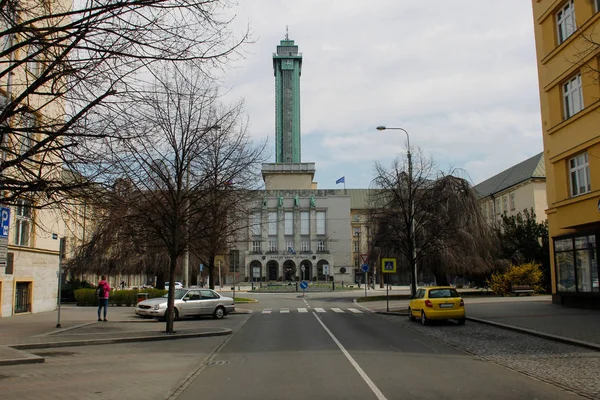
x=567, y=34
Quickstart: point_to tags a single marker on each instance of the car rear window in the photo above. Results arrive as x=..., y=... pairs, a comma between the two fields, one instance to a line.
x=443, y=293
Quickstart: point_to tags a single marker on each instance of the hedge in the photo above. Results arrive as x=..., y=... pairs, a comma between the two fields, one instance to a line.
x=87, y=297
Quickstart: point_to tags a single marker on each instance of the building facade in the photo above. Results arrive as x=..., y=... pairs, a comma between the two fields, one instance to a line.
x=567, y=34
x=287, y=67
x=520, y=187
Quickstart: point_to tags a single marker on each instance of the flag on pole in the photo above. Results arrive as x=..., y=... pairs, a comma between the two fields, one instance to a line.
x=341, y=180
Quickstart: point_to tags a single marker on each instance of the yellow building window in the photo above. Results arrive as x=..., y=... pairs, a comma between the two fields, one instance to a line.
x=573, y=96
x=565, y=21
x=580, y=175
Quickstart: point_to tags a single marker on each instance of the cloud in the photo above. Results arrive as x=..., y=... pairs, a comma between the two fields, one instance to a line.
x=459, y=75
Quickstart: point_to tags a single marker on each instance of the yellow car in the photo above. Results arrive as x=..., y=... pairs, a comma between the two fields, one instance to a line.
x=437, y=303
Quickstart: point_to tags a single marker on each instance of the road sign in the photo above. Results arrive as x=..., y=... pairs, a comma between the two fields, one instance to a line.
x=325, y=269
x=303, y=285
x=364, y=258
x=365, y=268
x=5, y=211
x=201, y=267
x=388, y=265
x=5, y=223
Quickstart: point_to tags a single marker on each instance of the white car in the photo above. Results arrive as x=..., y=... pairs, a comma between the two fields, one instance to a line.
x=188, y=302
x=178, y=285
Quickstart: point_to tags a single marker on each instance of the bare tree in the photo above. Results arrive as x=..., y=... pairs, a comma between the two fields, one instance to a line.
x=185, y=153
x=66, y=65
x=429, y=218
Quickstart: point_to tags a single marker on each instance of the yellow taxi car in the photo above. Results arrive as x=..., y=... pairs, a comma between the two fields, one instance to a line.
x=437, y=303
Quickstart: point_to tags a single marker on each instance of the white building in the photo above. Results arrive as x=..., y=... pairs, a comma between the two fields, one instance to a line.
x=520, y=187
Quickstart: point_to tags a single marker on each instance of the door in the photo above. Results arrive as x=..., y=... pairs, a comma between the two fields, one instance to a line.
x=22, y=297
x=273, y=272
x=194, y=303
x=208, y=302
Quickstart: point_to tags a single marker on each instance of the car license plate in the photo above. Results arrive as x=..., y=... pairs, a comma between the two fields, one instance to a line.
x=446, y=305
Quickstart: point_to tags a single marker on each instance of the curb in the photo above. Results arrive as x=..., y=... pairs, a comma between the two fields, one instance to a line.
x=400, y=314
x=15, y=357
x=549, y=336
x=92, y=342
x=357, y=304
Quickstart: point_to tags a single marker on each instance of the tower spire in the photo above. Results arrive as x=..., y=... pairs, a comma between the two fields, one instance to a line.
x=287, y=36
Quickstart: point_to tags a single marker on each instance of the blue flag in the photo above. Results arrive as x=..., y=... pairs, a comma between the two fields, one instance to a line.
x=341, y=180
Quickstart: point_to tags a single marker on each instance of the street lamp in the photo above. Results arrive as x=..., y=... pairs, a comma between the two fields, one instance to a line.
x=411, y=202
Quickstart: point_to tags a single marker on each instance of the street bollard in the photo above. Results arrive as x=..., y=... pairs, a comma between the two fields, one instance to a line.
x=333, y=285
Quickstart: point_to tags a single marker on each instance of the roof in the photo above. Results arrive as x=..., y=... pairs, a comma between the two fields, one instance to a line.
x=533, y=167
x=359, y=198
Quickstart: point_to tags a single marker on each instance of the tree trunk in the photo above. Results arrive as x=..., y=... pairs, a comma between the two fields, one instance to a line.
x=171, y=298
x=441, y=279
x=211, y=271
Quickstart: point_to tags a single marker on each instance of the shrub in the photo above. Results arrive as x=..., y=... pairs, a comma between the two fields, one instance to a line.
x=87, y=297
x=525, y=274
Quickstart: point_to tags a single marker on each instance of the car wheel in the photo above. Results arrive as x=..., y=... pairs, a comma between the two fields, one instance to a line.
x=461, y=321
x=424, y=319
x=410, y=316
x=219, y=313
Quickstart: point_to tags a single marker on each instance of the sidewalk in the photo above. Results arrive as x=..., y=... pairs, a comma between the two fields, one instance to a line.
x=78, y=327
x=534, y=315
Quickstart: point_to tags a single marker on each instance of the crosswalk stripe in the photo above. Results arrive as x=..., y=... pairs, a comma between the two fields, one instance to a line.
x=320, y=310
x=302, y=310
x=285, y=311
x=266, y=312
x=337, y=310
x=355, y=311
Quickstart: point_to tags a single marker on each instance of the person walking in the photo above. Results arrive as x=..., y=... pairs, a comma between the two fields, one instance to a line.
x=103, y=292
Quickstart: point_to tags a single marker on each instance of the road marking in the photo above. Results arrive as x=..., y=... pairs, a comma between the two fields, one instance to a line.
x=268, y=311
x=285, y=311
x=302, y=310
x=337, y=310
x=355, y=311
x=321, y=310
x=305, y=302
x=357, y=367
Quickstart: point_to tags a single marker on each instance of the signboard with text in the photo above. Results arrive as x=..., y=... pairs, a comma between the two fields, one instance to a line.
x=5, y=224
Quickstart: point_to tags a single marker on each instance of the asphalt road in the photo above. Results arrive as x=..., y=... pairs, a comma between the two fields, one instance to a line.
x=327, y=348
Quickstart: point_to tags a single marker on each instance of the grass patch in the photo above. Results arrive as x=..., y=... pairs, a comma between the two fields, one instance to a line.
x=244, y=300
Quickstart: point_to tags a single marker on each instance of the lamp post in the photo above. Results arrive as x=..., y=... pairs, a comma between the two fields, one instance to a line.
x=411, y=203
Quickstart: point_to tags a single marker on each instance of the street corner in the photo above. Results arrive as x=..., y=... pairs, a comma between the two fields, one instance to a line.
x=11, y=356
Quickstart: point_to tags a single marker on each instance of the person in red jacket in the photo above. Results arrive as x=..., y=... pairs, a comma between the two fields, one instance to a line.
x=103, y=291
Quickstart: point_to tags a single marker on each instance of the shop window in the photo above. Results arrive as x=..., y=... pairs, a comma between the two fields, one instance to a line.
x=586, y=264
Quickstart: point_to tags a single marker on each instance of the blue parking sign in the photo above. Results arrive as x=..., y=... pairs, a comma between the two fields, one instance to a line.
x=5, y=214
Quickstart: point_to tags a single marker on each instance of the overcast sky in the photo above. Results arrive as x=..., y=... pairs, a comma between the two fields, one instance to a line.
x=460, y=76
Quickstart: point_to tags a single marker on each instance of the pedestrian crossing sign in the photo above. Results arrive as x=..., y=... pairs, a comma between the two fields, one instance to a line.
x=388, y=265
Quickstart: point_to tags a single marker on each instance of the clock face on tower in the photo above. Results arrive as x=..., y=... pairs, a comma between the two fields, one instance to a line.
x=287, y=64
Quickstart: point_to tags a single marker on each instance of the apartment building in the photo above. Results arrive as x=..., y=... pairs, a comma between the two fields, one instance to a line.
x=567, y=36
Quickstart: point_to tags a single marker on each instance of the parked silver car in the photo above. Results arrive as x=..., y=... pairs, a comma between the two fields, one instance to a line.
x=188, y=302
